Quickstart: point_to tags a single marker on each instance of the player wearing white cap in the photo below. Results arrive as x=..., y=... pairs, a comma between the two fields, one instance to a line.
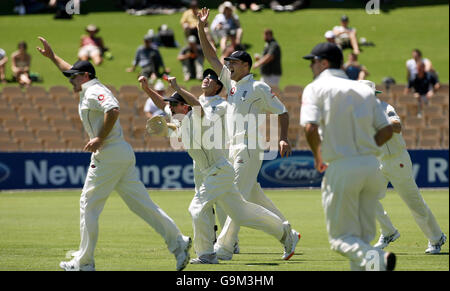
x=213, y=173
x=345, y=127
x=247, y=98
x=112, y=167
x=396, y=167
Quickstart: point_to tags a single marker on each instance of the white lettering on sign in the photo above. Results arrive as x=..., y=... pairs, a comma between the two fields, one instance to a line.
x=437, y=168
x=39, y=172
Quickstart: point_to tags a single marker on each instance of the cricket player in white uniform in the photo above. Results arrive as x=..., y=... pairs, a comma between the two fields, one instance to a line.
x=213, y=174
x=112, y=167
x=247, y=98
x=345, y=127
x=396, y=167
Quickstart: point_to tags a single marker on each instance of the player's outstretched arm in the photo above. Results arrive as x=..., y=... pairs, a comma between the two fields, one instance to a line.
x=208, y=49
x=313, y=139
x=285, y=147
x=47, y=52
x=156, y=98
x=188, y=96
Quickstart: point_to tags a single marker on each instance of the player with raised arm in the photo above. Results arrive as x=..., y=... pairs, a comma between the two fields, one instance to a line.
x=247, y=99
x=213, y=173
x=112, y=167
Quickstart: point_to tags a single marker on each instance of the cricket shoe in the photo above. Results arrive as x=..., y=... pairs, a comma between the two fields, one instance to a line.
x=384, y=241
x=222, y=253
x=236, y=250
x=290, y=240
x=389, y=261
x=74, y=266
x=182, y=252
x=436, y=248
x=206, y=259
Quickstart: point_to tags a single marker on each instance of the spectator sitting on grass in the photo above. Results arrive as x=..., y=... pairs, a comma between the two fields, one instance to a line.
x=346, y=36
x=3, y=61
x=191, y=58
x=354, y=70
x=149, y=59
x=253, y=5
x=226, y=27
x=91, y=46
x=20, y=66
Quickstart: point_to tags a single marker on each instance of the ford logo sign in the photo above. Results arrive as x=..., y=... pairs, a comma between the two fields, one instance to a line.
x=4, y=172
x=293, y=171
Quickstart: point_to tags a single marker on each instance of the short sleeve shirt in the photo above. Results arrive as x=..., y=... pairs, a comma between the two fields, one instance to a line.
x=95, y=100
x=273, y=67
x=422, y=85
x=347, y=112
x=247, y=98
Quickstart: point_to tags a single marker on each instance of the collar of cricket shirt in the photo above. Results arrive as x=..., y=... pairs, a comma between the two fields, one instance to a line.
x=247, y=78
x=205, y=100
x=334, y=72
x=88, y=84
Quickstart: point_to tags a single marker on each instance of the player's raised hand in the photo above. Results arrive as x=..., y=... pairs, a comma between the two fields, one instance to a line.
x=143, y=81
x=202, y=16
x=285, y=148
x=47, y=50
x=173, y=83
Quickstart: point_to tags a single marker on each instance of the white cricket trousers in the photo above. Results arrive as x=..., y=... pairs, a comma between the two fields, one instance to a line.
x=246, y=164
x=113, y=168
x=398, y=170
x=218, y=187
x=350, y=190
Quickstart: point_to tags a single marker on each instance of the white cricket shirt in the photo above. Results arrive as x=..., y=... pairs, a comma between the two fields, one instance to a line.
x=347, y=112
x=247, y=98
x=198, y=142
x=396, y=144
x=95, y=100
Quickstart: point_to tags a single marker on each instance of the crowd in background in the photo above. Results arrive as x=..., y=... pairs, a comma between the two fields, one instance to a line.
x=226, y=33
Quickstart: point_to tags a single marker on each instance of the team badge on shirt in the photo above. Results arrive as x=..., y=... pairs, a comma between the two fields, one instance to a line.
x=232, y=91
x=101, y=97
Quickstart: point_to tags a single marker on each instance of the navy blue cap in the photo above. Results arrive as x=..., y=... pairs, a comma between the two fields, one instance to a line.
x=240, y=56
x=326, y=50
x=175, y=97
x=80, y=67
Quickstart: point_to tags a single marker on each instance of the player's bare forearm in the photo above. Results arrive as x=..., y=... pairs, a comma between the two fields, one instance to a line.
x=396, y=126
x=383, y=135
x=285, y=147
x=314, y=142
x=110, y=119
x=208, y=49
x=283, y=119
x=313, y=137
x=156, y=98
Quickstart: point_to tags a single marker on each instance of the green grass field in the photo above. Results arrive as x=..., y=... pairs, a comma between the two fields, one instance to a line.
x=38, y=228
x=395, y=33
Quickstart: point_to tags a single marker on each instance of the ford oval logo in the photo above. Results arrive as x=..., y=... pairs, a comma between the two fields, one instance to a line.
x=297, y=171
x=4, y=172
